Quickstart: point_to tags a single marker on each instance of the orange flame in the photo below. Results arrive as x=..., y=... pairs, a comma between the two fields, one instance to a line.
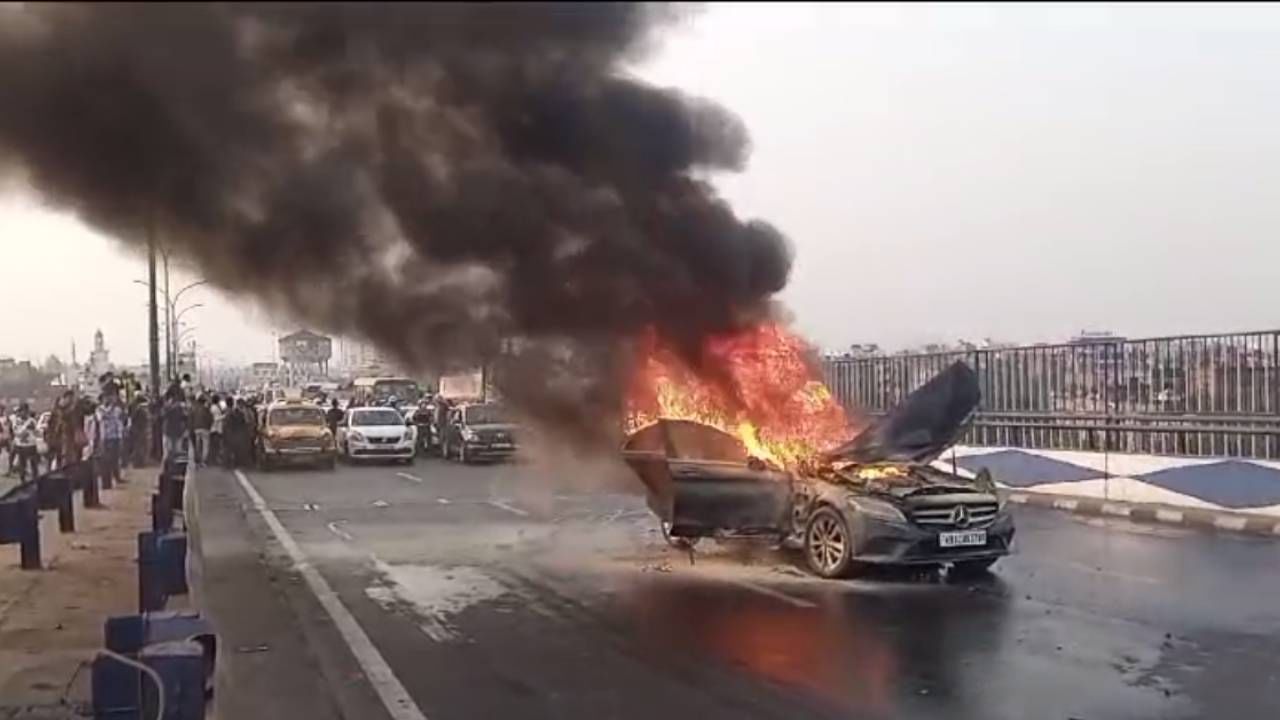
x=756, y=384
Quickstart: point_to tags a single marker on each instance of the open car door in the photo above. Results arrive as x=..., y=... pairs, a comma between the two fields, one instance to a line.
x=700, y=482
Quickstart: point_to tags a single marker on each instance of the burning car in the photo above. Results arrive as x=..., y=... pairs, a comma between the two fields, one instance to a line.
x=878, y=499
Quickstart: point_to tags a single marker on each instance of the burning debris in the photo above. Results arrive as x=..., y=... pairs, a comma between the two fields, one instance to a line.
x=433, y=177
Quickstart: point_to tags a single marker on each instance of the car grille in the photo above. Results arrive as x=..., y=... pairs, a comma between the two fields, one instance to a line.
x=300, y=444
x=956, y=516
x=383, y=440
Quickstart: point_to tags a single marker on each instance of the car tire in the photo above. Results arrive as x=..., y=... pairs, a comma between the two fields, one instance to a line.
x=972, y=568
x=828, y=544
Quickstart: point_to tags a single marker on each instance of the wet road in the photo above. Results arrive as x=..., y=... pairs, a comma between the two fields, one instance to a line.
x=508, y=591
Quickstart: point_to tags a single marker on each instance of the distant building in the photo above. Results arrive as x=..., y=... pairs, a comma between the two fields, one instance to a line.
x=100, y=358
x=263, y=372
x=304, y=352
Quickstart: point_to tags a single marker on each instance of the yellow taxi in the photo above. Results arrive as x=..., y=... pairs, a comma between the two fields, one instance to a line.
x=294, y=432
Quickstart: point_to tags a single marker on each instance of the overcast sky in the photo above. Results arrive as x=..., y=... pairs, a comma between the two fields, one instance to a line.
x=944, y=172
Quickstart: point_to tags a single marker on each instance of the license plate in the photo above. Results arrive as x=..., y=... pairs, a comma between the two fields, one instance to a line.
x=962, y=538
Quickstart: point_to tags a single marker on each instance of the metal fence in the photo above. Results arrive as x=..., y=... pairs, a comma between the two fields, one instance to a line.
x=1207, y=395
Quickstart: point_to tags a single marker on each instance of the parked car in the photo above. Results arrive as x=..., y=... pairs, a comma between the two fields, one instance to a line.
x=879, y=499
x=482, y=431
x=294, y=432
x=376, y=432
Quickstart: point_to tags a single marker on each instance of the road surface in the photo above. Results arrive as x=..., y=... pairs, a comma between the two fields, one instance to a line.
x=512, y=591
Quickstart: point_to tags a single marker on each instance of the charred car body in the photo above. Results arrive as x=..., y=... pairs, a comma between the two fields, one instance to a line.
x=878, y=499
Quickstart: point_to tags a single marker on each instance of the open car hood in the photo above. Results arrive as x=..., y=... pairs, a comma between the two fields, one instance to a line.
x=922, y=426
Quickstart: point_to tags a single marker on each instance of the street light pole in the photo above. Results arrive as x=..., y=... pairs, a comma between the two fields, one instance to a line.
x=153, y=320
x=173, y=316
x=168, y=322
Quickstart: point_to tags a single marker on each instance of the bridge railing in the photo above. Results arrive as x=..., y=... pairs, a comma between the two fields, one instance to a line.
x=1208, y=395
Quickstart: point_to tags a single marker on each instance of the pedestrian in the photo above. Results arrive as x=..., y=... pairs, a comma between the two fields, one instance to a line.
x=202, y=427
x=185, y=385
x=176, y=426
x=139, y=431
x=218, y=414
x=334, y=417
x=24, y=442
x=237, y=431
x=112, y=420
x=6, y=436
x=55, y=432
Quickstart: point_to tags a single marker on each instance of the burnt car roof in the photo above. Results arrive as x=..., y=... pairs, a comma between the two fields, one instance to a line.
x=922, y=426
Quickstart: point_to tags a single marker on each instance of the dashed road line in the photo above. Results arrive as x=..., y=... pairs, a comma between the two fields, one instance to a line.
x=336, y=529
x=394, y=697
x=503, y=505
x=409, y=477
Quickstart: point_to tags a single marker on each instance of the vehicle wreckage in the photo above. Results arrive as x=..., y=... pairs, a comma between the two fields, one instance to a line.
x=881, y=498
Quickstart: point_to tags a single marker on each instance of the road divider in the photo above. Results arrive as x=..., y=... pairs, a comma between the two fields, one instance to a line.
x=1150, y=513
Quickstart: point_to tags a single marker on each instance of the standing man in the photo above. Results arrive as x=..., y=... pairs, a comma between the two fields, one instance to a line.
x=334, y=417
x=24, y=442
x=202, y=423
x=237, y=434
x=6, y=436
x=111, y=429
x=218, y=415
x=176, y=426
x=139, y=431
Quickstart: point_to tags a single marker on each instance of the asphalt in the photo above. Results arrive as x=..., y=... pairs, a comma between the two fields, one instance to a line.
x=547, y=592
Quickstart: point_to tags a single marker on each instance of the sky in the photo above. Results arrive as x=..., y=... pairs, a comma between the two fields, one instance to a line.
x=1019, y=173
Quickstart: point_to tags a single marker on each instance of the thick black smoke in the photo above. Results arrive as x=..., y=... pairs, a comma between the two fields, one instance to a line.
x=431, y=177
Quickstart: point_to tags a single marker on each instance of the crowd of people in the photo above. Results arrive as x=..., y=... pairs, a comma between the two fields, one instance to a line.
x=122, y=426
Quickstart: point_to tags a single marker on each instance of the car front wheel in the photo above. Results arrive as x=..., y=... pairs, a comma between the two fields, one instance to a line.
x=828, y=547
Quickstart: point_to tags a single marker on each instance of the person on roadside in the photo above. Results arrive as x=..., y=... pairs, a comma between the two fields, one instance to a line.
x=188, y=390
x=55, y=432
x=176, y=425
x=218, y=417
x=112, y=421
x=202, y=427
x=333, y=418
x=6, y=436
x=139, y=431
x=237, y=435
x=24, y=443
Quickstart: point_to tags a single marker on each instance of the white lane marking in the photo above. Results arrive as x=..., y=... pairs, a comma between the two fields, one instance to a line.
x=410, y=478
x=337, y=530
x=394, y=697
x=443, y=501
x=1169, y=516
x=503, y=505
x=1018, y=498
x=1065, y=504
x=775, y=594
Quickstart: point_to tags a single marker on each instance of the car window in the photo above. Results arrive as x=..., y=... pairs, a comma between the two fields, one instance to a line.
x=486, y=414
x=367, y=418
x=295, y=416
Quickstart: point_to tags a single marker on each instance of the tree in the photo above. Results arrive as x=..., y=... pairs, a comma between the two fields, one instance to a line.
x=53, y=366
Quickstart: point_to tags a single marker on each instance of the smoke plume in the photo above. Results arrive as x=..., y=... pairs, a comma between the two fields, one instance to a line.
x=434, y=178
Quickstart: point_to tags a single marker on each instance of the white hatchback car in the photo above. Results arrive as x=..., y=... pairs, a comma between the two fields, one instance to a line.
x=376, y=432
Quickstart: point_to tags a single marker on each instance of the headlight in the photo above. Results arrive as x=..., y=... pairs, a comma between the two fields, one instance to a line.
x=356, y=436
x=469, y=435
x=409, y=435
x=877, y=509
